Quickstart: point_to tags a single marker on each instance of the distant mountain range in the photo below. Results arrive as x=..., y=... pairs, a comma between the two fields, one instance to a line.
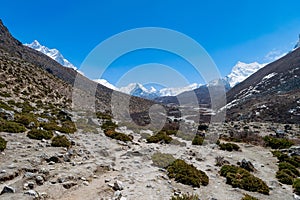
x=239, y=73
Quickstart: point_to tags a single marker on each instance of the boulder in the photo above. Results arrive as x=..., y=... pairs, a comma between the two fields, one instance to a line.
x=118, y=185
x=8, y=189
x=247, y=165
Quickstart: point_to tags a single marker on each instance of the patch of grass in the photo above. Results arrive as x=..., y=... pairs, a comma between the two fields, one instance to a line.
x=296, y=186
x=248, y=197
x=277, y=143
x=290, y=167
x=159, y=137
x=109, y=130
x=37, y=134
x=60, y=141
x=229, y=146
x=26, y=119
x=104, y=116
x=241, y=178
x=162, y=159
x=5, y=106
x=2, y=144
x=5, y=94
x=186, y=197
x=117, y=136
x=187, y=174
x=198, y=140
x=68, y=127
x=285, y=176
x=11, y=127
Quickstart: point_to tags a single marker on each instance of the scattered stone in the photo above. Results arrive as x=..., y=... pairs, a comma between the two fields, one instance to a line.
x=86, y=183
x=32, y=193
x=107, y=180
x=247, y=165
x=42, y=120
x=8, y=189
x=117, y=195
x=118, y=185
x=68, y=185
x=39, y=180
x=8, y=115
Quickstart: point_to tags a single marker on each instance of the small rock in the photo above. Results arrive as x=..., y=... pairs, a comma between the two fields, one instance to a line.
x=117, y=195
x=86, y=183
x=118, y=185
x=8, y=189
x=68, y=185
x=31, y=193
x=107, y=180
x=39, y=180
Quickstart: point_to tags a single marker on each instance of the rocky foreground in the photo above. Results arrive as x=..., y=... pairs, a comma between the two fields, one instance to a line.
x=98, y=167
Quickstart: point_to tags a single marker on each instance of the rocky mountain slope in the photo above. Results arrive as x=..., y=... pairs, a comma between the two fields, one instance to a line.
x=270, y=94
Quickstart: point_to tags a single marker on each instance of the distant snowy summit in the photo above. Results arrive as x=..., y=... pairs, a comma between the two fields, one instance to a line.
x=52, y=53
x=241, y=71
x=137, y=89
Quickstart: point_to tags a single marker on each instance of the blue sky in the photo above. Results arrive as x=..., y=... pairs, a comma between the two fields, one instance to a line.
x=230, y=31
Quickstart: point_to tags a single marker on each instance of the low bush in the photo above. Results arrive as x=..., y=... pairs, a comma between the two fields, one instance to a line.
x=162, y=159
x=198, y=140
x=60, y=141
x=68, y=127
x=187, y=174
x=296, y=186
x=241, y=178
x=159, y=137
x=229, y=146
x=248, y=197
x=285, y=176
x=38, y=134
x=290, y=167
x=2, y=144
x=277, y=143
x=26, y=119
x=186, y=197
x=104, y=116
x=117, y=136
x=11, y=127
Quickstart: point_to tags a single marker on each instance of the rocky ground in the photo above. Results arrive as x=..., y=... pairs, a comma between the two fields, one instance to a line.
x=97, y=167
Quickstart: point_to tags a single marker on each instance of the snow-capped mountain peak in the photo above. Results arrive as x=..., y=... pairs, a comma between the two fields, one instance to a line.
x=52, y=53
x=241, y=71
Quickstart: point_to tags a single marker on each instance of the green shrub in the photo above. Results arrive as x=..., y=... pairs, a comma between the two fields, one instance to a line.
x=11, y=127
x=68, y=127
x=187, y=174
x=186, y=197
x=104, y=116
x=5, y=106
x=26, y=119
x=229, y=146
x=51, y=126
x=248, y=197
x=37, y=134
x=117, y=136
x=285, y=165
x=282, y=157
x=60, y=141
x=162, y=159
x=285, y=176
x=159, y=137
x=108, y=124
x=198, y=140
x=296, y=186
x=241, y=178
x=2, y=144
x=277, y=143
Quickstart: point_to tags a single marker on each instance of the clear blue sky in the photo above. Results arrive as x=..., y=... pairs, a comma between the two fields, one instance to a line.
x=230, y=31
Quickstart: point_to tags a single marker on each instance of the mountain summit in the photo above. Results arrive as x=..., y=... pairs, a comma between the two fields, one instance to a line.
x=52, y=53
